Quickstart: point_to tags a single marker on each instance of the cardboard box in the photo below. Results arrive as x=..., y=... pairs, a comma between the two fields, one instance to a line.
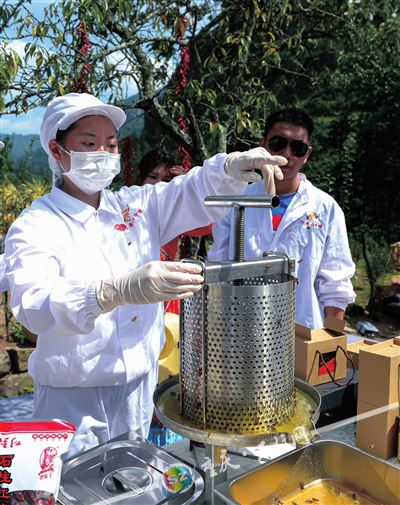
x=353, y=350
x=378, y=373
x=308, y=345
x=377, y=433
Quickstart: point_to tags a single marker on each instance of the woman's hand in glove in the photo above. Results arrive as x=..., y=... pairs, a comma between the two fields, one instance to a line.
x=241, y=166
x=154, y=282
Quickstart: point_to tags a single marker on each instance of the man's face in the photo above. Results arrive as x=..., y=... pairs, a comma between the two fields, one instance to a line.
x=289, y=131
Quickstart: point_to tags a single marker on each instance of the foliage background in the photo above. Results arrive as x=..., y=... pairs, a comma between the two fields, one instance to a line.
x=339, y=61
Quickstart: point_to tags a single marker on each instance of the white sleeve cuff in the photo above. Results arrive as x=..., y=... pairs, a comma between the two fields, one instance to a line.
x=92, y=304
x=339, y=304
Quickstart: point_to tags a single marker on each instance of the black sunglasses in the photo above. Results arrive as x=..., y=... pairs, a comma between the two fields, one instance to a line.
x=298, y=147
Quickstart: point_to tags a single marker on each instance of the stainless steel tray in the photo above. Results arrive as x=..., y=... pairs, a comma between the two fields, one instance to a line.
x=126, y=470
x=324, y=459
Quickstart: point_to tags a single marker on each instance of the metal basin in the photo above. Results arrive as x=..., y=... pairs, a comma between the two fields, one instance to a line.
x=167, y=412
x=126, y=470
x=322, y=460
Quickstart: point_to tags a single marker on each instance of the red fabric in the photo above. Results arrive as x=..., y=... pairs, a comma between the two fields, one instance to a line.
x=172, y=247
x=200, y=232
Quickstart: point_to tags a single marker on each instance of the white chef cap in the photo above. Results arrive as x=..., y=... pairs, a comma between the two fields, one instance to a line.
x=64, y=110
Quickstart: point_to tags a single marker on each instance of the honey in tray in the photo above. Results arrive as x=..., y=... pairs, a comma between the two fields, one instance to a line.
x=326, y=492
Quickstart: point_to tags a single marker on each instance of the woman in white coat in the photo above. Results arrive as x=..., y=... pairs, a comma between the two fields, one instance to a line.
x=85, y=276
x=309, y=226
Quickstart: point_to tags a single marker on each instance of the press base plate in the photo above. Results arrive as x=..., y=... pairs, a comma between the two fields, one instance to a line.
x=165, y=400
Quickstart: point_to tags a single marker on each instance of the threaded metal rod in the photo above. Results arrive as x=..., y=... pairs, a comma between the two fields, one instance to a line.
x=238, y=237
x=238, y=233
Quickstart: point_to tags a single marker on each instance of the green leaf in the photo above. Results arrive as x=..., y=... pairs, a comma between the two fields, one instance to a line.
x=182, y=27
x=39, y=59
x=97, y=14
x=5, y=75
x=15, y=68
x=17, y=57
x=176, y=27
x=120, y=8
x=211, y=60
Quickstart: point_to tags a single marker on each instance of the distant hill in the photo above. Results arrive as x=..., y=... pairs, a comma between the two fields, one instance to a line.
x=20, y=145
x=36, y=157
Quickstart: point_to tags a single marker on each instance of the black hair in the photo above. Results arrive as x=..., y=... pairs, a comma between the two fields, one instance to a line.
x=62, y=135
x=153, y=159
x=292, y=115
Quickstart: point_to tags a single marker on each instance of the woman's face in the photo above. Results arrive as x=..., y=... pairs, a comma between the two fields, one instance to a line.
x=90, y=134
x=160, y=173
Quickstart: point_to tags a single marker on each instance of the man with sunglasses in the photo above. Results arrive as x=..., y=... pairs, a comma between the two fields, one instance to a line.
x=308, y=225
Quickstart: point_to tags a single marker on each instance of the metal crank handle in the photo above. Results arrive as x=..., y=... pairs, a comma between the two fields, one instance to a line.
x=267, y=202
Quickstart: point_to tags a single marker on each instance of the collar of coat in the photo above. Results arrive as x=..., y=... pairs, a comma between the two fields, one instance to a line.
x=79, y=210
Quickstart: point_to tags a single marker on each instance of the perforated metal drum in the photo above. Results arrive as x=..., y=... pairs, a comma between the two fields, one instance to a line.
x=237, y=346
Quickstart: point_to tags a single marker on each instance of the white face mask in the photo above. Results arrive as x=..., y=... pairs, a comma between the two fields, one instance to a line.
x=92, y=171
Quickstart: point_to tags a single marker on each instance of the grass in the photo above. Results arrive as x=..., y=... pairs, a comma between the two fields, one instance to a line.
x=361, y=284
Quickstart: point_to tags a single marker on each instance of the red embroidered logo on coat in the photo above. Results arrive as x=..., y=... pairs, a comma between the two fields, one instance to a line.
x=128, y=219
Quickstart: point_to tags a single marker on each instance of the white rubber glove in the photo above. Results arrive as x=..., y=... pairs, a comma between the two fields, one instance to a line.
x=154, y=282
x=241, y=166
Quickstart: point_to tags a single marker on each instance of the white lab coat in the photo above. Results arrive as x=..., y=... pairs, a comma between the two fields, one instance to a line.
x=4, y=286
x=318, y=243
x=59, y=248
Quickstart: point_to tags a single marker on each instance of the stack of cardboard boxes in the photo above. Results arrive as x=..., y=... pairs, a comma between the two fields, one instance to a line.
x=378, y=398
x=378, y=365
x=353, y=351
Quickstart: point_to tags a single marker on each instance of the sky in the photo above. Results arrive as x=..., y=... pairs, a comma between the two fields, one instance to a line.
x=30, y=122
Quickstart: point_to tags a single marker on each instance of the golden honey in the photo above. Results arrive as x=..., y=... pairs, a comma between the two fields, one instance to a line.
x=321, y=492
x=299, y=425
x=326, y=492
